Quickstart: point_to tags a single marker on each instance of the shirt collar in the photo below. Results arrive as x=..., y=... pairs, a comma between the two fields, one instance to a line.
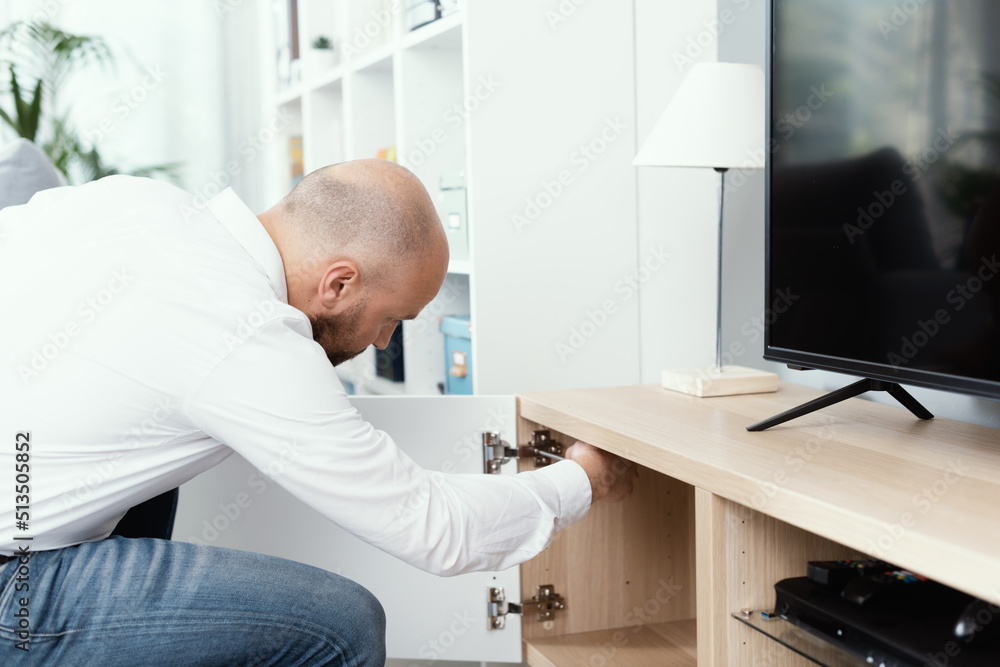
x=240, y=221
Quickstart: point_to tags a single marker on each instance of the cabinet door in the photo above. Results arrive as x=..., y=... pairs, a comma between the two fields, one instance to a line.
x=429, y=617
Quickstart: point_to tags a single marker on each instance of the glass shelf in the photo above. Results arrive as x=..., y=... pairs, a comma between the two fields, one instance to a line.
x=803, y=642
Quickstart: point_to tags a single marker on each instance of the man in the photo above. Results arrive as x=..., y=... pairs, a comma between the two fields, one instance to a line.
x=147, y=339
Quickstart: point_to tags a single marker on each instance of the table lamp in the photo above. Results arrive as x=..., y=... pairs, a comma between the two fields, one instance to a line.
x=716, y=121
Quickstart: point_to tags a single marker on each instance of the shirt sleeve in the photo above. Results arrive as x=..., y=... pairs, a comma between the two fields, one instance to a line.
x=276, y=400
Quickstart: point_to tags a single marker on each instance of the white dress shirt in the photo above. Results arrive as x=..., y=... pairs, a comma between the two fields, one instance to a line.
x=146, y=338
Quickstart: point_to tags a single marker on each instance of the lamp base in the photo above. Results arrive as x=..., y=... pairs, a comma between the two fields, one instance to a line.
x=733, y=380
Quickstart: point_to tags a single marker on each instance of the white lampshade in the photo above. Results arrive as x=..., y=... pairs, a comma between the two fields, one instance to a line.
x=716, y=119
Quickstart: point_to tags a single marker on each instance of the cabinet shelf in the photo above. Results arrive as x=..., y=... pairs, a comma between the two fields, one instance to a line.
x=802, y=642
x=379, y=58
x=327, y=78
x=288, y=95
x=656, y=645
x=443, y=33
x=460, y=267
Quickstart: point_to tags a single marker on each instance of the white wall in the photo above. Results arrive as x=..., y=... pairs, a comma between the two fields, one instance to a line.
x=677, y=208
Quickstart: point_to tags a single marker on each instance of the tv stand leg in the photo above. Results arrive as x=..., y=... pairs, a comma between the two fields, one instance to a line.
x=850, y=391
x=908, y=401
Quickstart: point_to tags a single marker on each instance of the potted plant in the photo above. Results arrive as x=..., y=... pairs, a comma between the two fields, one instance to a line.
x=37, y=59
x=322, y=56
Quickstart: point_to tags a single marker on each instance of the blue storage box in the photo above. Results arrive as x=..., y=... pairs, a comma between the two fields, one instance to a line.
x=457, y=354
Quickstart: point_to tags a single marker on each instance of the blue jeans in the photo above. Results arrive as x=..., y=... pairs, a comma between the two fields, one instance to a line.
x=153, y=602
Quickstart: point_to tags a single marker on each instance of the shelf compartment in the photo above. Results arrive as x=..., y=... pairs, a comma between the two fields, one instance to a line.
x=669, y=644
x=286, y=96
x=371, y=106
x=807, y=645
x=626, y=567
x=323, y=126
x=327, y=78
x=379, y=58
x=445, y=33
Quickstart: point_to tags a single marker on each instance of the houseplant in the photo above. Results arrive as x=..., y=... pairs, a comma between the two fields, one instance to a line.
x=39, y=59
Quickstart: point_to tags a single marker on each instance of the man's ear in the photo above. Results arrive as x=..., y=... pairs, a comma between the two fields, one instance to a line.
x=340, y=284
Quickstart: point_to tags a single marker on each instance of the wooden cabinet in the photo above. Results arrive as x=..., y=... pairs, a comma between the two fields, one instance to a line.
x=720, y=515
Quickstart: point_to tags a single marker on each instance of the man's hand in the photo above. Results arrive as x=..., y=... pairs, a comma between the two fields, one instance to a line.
x=612, y=478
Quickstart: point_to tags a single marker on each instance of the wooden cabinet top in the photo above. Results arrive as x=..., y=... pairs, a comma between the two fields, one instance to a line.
x=924, y=495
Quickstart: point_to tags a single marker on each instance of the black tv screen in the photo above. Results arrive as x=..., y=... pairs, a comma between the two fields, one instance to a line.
x=883, y=220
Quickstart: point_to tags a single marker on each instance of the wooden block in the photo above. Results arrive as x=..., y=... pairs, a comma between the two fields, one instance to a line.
x=731, y=381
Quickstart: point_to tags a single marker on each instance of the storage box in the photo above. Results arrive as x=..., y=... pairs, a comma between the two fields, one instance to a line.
x=457, y=354
x=454, y=214
x=421, y=12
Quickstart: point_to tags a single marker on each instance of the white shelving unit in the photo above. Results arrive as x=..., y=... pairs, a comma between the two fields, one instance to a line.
x=423, y=92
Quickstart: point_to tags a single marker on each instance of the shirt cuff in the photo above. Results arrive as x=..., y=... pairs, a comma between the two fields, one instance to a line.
x=574, y=488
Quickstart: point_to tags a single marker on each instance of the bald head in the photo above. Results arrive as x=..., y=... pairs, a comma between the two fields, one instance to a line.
x=374, y=212
x=363, y=249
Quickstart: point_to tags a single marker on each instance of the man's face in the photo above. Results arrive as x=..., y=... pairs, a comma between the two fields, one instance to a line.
x=334, y=333
x=371, y=318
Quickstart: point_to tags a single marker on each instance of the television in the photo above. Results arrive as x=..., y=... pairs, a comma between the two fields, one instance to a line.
x=883, y=193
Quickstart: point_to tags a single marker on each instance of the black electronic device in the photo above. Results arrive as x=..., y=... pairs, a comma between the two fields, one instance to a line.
x=888, y=615
x=836, y=574
x=389, y=361
x=981, y=620
x=883, y=195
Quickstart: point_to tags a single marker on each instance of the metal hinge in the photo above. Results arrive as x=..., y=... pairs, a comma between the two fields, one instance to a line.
x=496, y=452
x=544, y=448
x=545, y=603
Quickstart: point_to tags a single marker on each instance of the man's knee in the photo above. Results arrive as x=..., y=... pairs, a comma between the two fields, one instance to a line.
x=369, y=609
x=362, y=619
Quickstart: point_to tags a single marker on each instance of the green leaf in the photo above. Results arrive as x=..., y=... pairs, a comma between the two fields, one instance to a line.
x=29, y=124
x=10, y=121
